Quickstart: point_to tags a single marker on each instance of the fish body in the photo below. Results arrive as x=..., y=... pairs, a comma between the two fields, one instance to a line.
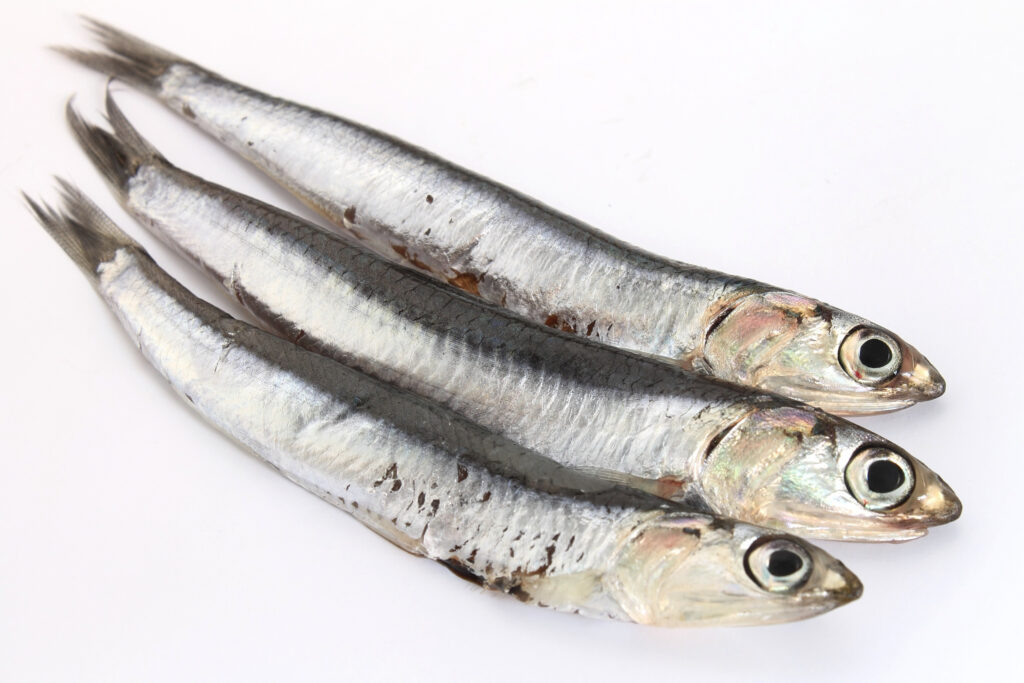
x=717, y=447
x=495, y=243
x=438, y=485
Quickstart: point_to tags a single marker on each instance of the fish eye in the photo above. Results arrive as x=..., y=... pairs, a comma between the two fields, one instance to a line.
x=879, y=478
x=870, y=356
x=778, y=565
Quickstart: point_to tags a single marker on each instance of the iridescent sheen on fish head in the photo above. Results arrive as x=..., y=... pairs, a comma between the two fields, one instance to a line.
x=814, y=474
x=806, y=350
x=673, y=572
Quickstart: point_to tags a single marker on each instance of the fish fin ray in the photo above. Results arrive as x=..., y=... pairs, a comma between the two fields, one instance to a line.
x=116, y=155
x=81, y=229
x=128, y=57
x=125, y=131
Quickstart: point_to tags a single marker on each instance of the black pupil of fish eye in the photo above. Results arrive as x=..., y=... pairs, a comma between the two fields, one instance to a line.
x=875, y=353
x=885, y=476
x=784, y=563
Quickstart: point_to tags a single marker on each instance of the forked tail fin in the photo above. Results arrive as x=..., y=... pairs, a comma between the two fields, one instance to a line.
x=117, y=155
x=81, y=229
x=127, y=57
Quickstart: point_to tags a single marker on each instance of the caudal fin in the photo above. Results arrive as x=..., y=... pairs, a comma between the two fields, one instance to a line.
x=81, y=229
x=117, y=155
x=127, y=57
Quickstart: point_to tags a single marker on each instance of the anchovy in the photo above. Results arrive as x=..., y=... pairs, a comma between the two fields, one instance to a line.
x=512, y=251
x=716, y=447
x=437, y=485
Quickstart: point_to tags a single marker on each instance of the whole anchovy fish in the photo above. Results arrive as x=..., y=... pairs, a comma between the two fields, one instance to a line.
x=717, y=447
x=514, y=252
x=438, y=485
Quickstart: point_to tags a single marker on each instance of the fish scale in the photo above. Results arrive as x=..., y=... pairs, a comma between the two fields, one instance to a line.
x=436, y=484
x=619, y=414
x=304, y=426
x=493, y=242
x=385, y=315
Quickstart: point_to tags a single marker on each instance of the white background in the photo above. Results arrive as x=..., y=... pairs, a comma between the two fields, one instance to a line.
x=867, y=153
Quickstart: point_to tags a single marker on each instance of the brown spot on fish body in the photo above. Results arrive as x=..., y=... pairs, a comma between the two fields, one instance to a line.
x=422, y=497
x=404, y=253
x=433, y=506
x=187, y=111
x=554, y=321
x=455, y=567
x=550, y=552
x=390, y=473
x=467, y=282
x=461, y=473
x=397, y=485
x=472, y=556
x=590, y=327
x=518, y=593
x=669, y=487
x=430, y=199
x=350, y=214
x=486, y=497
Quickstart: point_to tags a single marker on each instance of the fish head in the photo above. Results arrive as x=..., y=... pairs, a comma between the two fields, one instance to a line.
x=679, y=570
x=817, y=475
x=806, y=350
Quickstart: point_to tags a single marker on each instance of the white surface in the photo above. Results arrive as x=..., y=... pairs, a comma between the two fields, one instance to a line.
x=869, y=154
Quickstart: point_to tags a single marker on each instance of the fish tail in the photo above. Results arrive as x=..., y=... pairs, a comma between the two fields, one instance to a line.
x=81, y=229
x=117, y=155
x=127, y=57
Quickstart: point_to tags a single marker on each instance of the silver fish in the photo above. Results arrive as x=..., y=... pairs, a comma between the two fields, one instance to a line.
x=437, y=485
x=719, y=448
x=514, y=252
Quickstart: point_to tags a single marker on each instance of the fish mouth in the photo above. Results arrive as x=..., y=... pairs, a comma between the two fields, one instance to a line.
x=933, y=503
x=840, y=585
x=916, y=382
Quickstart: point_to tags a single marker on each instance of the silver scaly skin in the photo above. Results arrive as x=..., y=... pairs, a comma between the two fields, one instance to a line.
x=438, y=485
x=512, y=251
x=717, y=447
